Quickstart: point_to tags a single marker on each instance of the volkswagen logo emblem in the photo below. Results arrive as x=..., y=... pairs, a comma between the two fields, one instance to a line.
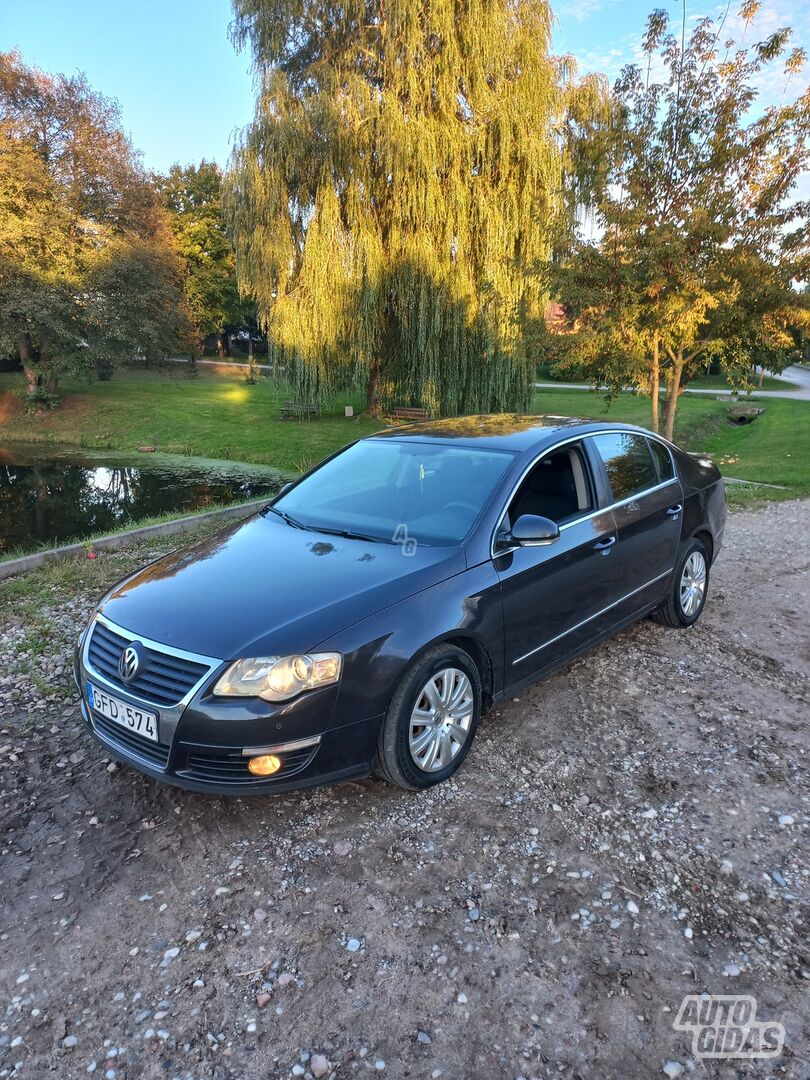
x=130, y=662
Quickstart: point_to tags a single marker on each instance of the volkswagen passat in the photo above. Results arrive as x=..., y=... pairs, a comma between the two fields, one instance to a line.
x=364, y=619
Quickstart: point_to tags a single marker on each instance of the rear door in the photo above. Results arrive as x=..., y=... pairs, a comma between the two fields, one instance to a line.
x=647, y=507
x=553, y=596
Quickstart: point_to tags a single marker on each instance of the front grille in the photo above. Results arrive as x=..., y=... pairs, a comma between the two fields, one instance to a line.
x=130, y=741
x=229, y=767
x=164, y=678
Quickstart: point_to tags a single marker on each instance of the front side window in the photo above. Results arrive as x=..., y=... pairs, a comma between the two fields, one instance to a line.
x=628, y=463
x=558, y=488
x=392, y=489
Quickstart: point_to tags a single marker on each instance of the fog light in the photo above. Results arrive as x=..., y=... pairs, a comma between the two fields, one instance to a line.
x=265, y=765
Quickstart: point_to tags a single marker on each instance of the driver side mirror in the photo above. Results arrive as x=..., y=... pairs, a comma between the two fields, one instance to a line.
x=531, y=530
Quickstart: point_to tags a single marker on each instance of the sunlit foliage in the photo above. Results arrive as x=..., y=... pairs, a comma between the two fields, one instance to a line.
x=89, y=277
x=697, y=237
x=192, y=195
x=398, y=191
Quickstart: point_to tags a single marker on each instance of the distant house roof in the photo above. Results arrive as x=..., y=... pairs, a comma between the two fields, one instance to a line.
x=558, y=320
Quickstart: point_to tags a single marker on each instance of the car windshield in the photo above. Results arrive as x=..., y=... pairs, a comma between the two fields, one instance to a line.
x=397, y=491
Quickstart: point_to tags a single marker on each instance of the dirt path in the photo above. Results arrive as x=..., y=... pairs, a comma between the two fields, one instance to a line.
x=613, y=843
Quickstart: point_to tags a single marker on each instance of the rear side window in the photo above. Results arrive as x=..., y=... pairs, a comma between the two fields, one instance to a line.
x=628, y=463
x=663, y=459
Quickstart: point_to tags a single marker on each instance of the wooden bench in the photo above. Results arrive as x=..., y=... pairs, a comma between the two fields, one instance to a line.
x=401, y=413
x=299, y=410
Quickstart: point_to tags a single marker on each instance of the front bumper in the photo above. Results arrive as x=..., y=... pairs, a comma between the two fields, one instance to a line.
x=344, y=753
x=202, y=740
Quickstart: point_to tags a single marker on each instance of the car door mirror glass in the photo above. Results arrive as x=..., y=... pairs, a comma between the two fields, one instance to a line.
x=531, y=530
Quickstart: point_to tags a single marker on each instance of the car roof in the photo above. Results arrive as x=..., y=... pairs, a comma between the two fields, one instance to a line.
x=500, y=431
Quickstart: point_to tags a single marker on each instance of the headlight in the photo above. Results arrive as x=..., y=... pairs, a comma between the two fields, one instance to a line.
x=278, y=678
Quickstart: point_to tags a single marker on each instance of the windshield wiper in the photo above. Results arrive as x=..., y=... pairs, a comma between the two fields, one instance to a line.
x=348, y=534
x=284, y=517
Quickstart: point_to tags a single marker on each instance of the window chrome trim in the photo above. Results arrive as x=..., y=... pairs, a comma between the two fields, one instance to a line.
x=590, y=618
x=591, y=513
x=281, y=748
x=621, y=502
x=661, y=442
x=212, y=662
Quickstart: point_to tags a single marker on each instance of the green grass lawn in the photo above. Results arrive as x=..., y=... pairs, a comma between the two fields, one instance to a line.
x=212, y=416
x=220, y=416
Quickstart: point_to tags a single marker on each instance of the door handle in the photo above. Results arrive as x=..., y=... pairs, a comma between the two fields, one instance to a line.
x=675, y=511
x=604, y=546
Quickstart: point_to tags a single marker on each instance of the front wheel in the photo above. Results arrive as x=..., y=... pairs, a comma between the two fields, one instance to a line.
x=432, y=719
x=690, y=584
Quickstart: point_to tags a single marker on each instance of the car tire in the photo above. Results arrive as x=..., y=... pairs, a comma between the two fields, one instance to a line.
x=688, y=590
x=409, y=732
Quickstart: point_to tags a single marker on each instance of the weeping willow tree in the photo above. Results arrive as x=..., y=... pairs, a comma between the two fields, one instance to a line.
x=395, y=198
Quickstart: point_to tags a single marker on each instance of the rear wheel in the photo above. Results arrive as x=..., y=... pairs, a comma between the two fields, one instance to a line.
x=690, y=584
x=432, y=719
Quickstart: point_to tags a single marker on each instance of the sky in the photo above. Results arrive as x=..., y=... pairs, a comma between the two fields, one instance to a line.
x=183, y=90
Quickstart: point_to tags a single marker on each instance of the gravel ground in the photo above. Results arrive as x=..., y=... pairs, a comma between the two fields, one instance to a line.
x=629, y=831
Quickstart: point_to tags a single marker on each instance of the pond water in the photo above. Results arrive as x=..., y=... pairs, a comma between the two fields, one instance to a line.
x=50, y=495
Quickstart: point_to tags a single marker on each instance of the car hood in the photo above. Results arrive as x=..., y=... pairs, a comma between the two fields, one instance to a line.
x=263, y=588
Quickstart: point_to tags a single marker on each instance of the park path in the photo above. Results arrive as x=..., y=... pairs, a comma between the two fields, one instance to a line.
x=228, y=365
x=800, y=376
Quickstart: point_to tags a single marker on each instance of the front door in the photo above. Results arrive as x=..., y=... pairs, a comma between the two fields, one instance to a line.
x=554, y=596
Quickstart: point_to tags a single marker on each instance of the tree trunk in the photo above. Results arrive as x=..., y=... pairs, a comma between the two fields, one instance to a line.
x=28, y=358
x=655, y=385
x=761, y=377
x=372, y=404
x=251, y=375
x=673, y=390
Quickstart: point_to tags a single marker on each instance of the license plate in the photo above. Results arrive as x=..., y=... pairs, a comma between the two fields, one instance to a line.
x=120, y=712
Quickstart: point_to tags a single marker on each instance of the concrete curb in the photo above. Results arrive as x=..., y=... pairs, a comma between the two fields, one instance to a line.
x=118, y=540
x=753, y=483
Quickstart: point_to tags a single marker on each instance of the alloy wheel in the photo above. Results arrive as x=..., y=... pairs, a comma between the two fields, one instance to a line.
x=441, y=719
x=693, y=584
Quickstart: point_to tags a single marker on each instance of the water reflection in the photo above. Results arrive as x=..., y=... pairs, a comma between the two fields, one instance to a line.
x=65, y=496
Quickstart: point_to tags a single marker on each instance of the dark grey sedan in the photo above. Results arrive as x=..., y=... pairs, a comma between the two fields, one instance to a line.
x=365, y=618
